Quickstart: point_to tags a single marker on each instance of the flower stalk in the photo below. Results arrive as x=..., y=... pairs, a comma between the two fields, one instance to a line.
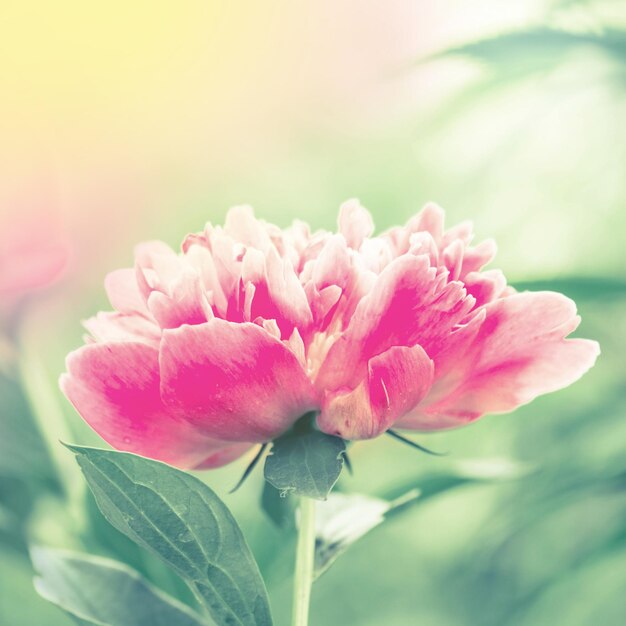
x=305, y=563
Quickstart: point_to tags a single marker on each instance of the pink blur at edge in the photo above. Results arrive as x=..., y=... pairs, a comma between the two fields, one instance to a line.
x=34, y=254
x=226, y=344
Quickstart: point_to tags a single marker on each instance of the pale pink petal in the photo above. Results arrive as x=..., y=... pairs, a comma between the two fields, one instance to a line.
x=301, y=244
x=296, y=345
x=115, y=388
x=156, y=265
x=243, y=227
x=376, y=254
x=312, y=249
x=217, y=258
x=233, y=381
x=203, y=263
x=519, y=352
x=335, y=284
x=397, y=380
x=485, y=286
x=423, y=243
x=270, y=326
x=453, y=258
x=107, y=327
x=322, y=303
x=195, y=239
x=430, y=219
x=355, y=223
x=123, y=292
x=333, y=266
x=287, y=291
x=184, y=303
x=277, y=293
x=477, y=257
x=462, y=231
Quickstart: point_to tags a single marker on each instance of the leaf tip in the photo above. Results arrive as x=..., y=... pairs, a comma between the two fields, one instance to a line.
x=71, y=447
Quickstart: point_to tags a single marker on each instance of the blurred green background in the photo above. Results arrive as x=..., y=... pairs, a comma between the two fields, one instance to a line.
x=145, y=122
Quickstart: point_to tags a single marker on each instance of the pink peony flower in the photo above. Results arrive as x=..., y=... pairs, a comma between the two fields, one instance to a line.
x=227, y=344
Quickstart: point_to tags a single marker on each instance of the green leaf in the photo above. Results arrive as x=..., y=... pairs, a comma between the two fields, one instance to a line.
x=177, y=517
x=538, y=48
x=105, y=592
x=306, y=463
x=104, y=538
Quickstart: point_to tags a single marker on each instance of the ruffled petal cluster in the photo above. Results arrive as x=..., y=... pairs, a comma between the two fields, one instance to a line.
x=226, y=344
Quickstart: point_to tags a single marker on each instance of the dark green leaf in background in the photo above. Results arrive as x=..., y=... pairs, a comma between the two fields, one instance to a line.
x=22, y=451
x=178, y=518
x=105, y=592
x=460, y=473
x=537, y=48
x=306, y=463
x=578, y=287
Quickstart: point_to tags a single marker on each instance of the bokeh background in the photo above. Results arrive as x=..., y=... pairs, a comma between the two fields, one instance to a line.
x=126, y=121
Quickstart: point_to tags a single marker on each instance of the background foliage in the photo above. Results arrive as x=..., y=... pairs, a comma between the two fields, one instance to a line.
x=510, y=116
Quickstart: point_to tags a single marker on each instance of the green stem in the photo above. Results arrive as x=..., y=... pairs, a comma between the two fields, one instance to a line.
x=305, y=563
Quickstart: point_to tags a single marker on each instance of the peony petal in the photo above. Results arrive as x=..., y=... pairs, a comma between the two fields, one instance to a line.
x=376, y=253
x=202, y=261
x=123, y=292
x=477, y=257
x=243, y=227
x=430, y=219
x=273, y=291
x=156, y=265
x=347, y=413
x=185, y=302
x=453, y=258
x=115, y=388
x=408, y=305
x=485, y=286
x=423, y=243
x=322, y=302
x=355, y=223
x=519, y=352
x=296, y=345
x=462, y=230
x=397, y=381
x=108, y=327
x=233, y=381
x=287, y=291
x=335, y=284
x=333, y=265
